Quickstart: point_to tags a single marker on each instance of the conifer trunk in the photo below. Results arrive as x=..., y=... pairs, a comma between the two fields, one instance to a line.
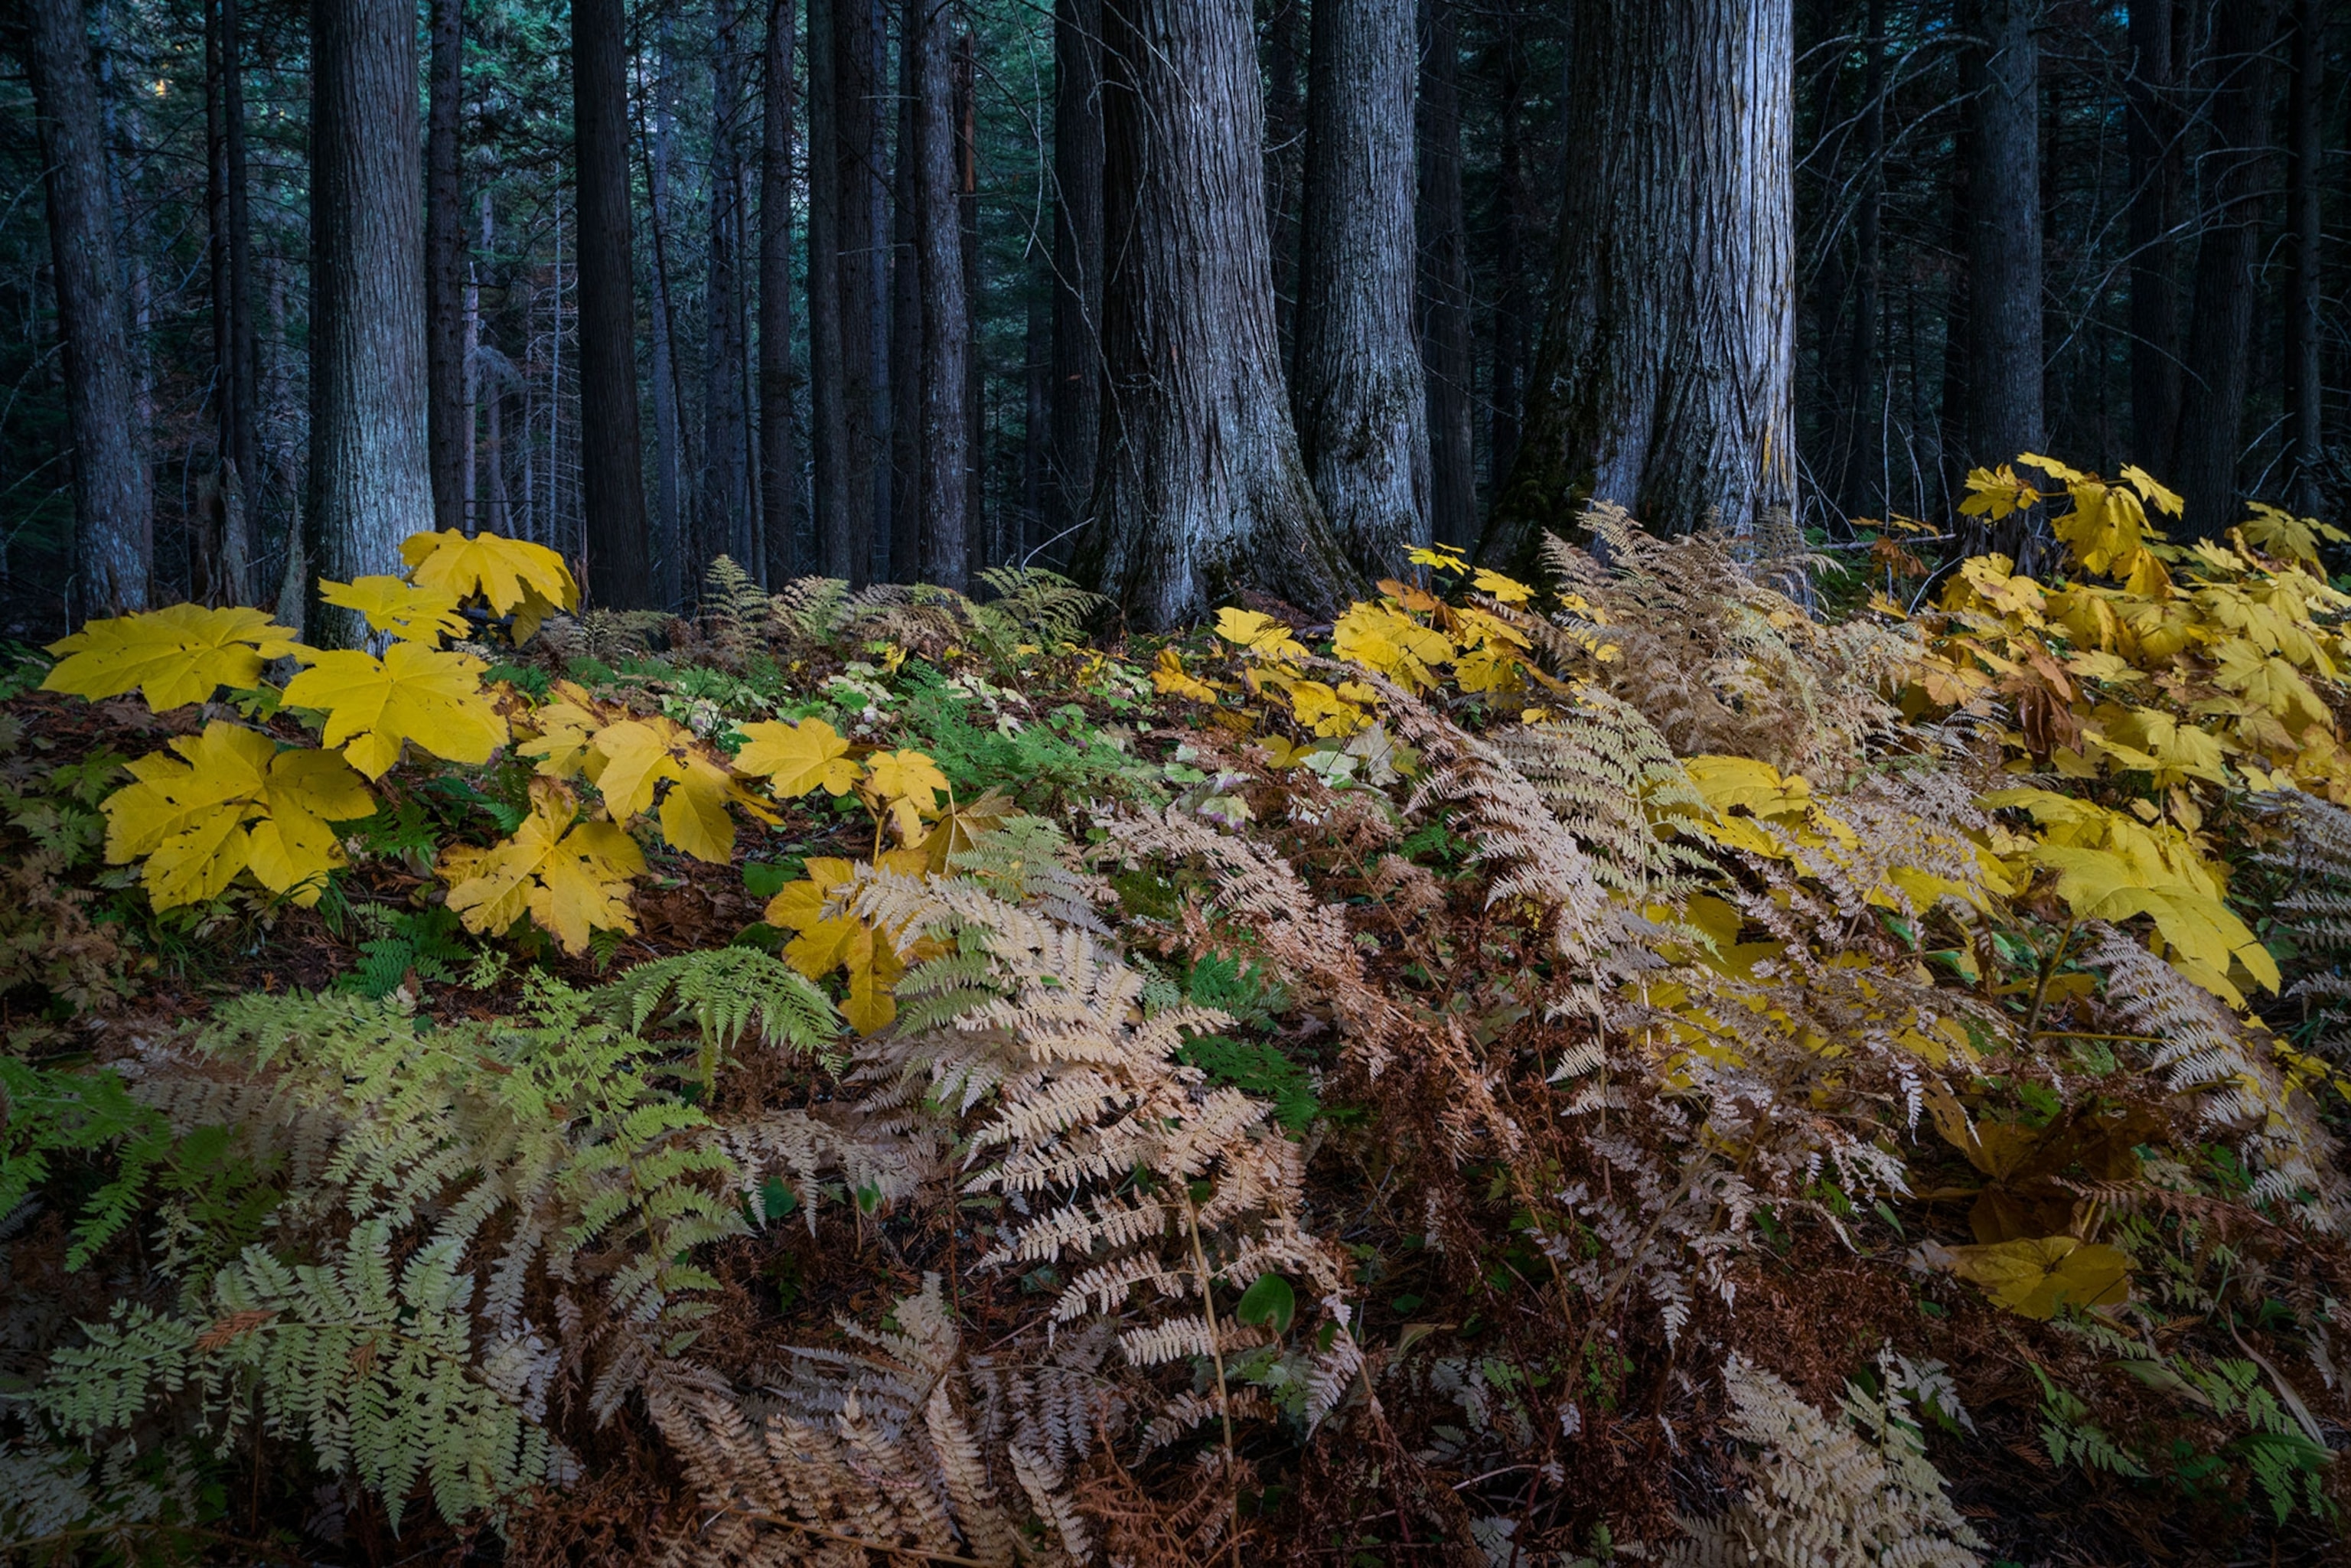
x=778, y=449
x=1445, y=302
x=220, y=550
x=1077, y=270
x=114, y=542
x=2004, y=304
x=371, y=482
x=859, y=91
x=944, y=499
x=1201, y=491
x=2305, y=386
x=444, y=250
x=611, y=463
x=2156, y=170
x=1663, y=381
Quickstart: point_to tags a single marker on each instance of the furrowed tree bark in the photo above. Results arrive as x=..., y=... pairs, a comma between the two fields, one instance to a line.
x=1445, y=304
x=444, y=250
x=2218, y=361
x=672, y=550
x=2004, y=304
x=2306, y=386
x=981, y=548
x=2156, y=167
x=244, y=357
x=858, y=95
x=371, y=482
x=1201, y=491
x=828, y=369
x=114, y=541
x=220, y=550
x=1358, y=393
x=1663, y=378
x=1865, y=451
x=1037, y=405
x=725, y=510
x=611, y=463
x=1077, y=270
x=1514, y=303
x=906, y=319
x=944, y=499
x=779, y=451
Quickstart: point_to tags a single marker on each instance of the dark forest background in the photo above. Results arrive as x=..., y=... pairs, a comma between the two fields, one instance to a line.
x=2165, y=186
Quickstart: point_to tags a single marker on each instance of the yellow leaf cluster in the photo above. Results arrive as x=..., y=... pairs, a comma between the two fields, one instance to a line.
x=513, y=577
x=825, y=941
x=230, y=800
x=570, y=876
x=414, y=694
x=2036, y=1278
x=398, y=607
x=901, y=787
x=636, y=761
x=173, y=656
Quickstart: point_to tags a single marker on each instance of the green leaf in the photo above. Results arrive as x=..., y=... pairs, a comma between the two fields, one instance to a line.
x=1269, y=1301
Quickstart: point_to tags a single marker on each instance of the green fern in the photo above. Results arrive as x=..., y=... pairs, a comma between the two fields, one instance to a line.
x=426, y=942
x=46, y=1113
x=724, y=993
x=1030, y=605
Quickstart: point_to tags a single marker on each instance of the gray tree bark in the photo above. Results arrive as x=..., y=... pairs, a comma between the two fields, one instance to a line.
x=220, y=550
x=905, y=320
x=371, y=481
x=725, y=513
x=2157, y=169
x=444, y=252
x=1201, y=491
x=2219, y=370
x=2004, y=306
x=943, y=498
x=1445, y=301
x=1663, y=381
x=830, y=496
x=779, y=451
x=1077, y=270
x=114, y=536
x=859, y=93
x=618, y=568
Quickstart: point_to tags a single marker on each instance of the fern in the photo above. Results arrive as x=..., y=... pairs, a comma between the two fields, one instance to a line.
x=726, y=993
x=425, y=943
x=49, y=1112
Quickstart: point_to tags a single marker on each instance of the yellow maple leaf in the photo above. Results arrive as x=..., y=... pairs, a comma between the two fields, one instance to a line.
x=411, y=613
x=1323, y=710
x=905, y=785
x=1169, y=678
x=1381, y=637
x=797, y=758
x=632, y=759
x=515, y=577
x=2153, y=493
x=572, y=877
x=844, y=941
x=2267, y=680
x=2034, y=1277
x=1509, y=589
x=233, y=801
x=1260, y=635
x=413, y=693
x=562, y=732
x=1994, y=492
x=173, y=656
x=1444, y=557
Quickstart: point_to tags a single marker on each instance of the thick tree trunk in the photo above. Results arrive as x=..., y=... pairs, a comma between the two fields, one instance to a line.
x=2220, y=319
x=220, y=551
x=981, y=545
x=859, y=91
x=611, y=465
x=444, y=250
x=725, y=512
x=1077, y=270
x=371, y=482
x=1445, y=303
x=943, y=498
x=1663, y=378
x=778, y=452
x=1513, y=299
x=1201, y=491
x=672, y=550
x=1859, y=489
x=114, y=537
x=2305, y=387
x=2156, y=168
x=1358, y=393
x=829, y=501
x=906, y=319
x=2005, y=353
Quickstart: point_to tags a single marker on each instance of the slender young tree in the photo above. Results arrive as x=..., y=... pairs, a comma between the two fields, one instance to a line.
x=220, y=552
x=1201, y=491
x=1865, y=449
x=859, y=92
x=981, y=547
x=611, y=476
x=2005, y=301
x=1077, y=270
x=114, y=538
x=944, y=500
x=1664, y=379
x=1445, y=300
x=1359, y=390
x=444, y=259
x=2305, y=383
x=2156, y=165
x=371, y=482
x=2219, y=357
x=779, y=451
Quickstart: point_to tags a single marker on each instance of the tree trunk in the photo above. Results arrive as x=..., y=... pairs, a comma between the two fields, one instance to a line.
x=114, y=537
x=1445, y=302
x=1285, y=141
x=778, y=452
x=220, y=552
x=2157, y=169
x=858, y=96
x=943, y=498
x=1201, y=491
x=444, y=250
x=828, y=368
x=1856, y=493
x=1513, y=299
x=725, y=512
x=2004, y=352
x=1077, y=270
x=2306, y=389
x=672, y=550
x=244, y=362
x=611, y=465
x=1358, y=393
x=1037, y=404
x=906, y=318
x=2220, y=320
x=371, y=482
x=981, y=545
x=1663, y=378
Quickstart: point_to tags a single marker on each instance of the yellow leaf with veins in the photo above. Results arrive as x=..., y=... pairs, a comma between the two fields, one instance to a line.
x=2034, y=1277
x=1259, y=633
x=408, y=613
x=516, y=577
x=413, y=693
x=171, y=656
x=570, y=876
x=797, y=758
x=632, y=759
x=826, y=941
